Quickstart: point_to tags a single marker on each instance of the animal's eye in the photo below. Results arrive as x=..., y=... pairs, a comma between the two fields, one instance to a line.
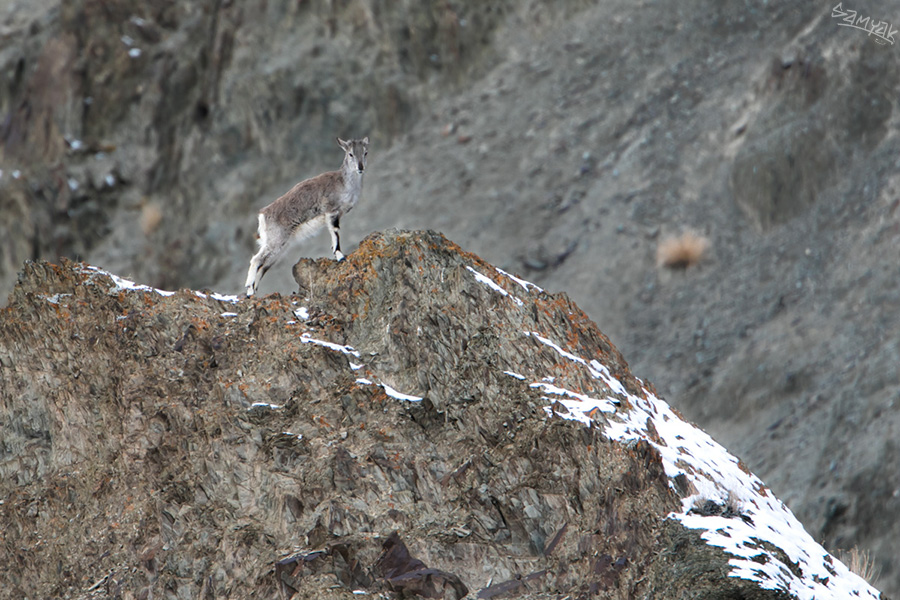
x=351, y=154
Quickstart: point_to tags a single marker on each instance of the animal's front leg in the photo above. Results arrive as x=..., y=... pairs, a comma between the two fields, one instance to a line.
x=334, y=228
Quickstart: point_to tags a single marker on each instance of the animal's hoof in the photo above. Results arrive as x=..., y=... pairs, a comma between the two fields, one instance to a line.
x=338, y=256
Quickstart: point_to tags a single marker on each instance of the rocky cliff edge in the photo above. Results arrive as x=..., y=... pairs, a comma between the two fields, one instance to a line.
x=412, y=423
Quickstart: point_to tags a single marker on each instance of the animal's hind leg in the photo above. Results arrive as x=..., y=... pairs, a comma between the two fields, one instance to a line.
x=260, y=264
x=257, y=269
x=269, y=251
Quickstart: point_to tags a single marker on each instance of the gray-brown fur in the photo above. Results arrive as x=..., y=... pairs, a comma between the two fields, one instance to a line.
x=312, y=203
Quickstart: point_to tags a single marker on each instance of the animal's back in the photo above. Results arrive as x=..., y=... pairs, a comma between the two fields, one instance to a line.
x=307, y=200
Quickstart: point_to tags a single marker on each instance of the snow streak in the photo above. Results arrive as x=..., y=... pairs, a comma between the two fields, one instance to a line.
x=123, y=284
x=493, y=285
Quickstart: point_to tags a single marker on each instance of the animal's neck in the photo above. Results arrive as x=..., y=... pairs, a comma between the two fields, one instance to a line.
x=351, y=175
x=352, y=182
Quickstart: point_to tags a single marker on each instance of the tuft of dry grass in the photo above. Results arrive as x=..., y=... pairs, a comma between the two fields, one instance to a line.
x=151, y=217
x=681, y=252
x=733, y=504
x=860, y=562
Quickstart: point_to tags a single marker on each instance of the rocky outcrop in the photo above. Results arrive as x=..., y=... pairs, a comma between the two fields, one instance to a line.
x=413, y=423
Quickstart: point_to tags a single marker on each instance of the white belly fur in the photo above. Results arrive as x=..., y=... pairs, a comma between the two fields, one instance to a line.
x=307, y=229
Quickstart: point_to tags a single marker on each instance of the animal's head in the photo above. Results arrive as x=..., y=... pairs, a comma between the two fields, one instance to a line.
x=356, y=152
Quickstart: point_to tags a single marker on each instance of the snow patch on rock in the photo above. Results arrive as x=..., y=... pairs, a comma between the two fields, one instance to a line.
x=717, y=475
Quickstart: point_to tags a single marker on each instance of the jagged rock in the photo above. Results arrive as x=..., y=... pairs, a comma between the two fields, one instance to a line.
x=190, y=445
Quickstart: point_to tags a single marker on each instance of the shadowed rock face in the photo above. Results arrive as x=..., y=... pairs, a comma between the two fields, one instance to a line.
x=369, y=433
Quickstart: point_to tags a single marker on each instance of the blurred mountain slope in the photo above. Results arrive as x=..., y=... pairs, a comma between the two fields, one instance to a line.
x=562, y=141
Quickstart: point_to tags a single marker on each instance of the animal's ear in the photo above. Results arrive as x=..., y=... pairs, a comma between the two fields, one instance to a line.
x=344, y=145
x=365, y=140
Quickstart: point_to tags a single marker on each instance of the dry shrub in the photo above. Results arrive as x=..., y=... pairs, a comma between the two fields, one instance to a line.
x=681, y=252
x=860, y=562
x=151, y=217
x=733, y=504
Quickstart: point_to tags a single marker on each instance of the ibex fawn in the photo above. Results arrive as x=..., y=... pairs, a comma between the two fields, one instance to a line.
x=312, y=203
